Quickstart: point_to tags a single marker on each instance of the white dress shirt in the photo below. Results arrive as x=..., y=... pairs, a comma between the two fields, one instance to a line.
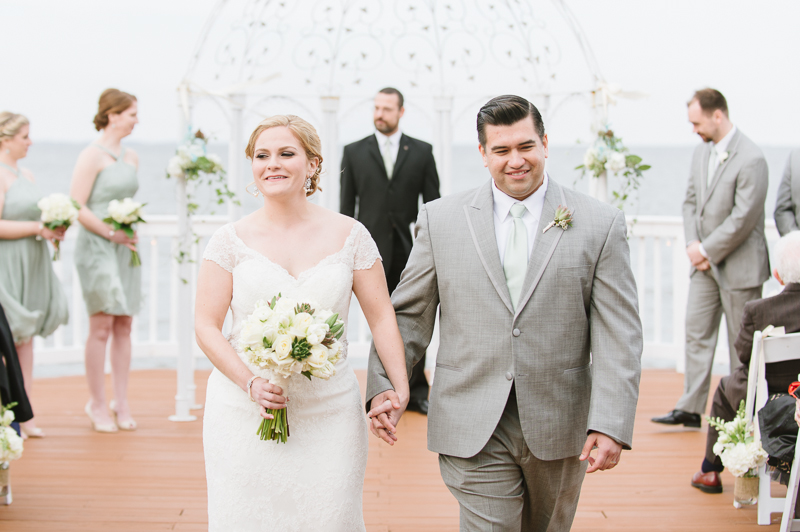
x=394, y=144
x=503, y=221
x=719, y=148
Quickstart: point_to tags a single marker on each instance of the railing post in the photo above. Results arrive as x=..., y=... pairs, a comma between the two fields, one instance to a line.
x=680, y=294
x=184, y=398
x=443, y=141
x=330, y=152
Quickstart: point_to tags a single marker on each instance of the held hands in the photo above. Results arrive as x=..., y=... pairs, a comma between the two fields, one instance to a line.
x=608, y=452
x=267, y=395
x=121, y=238
x=386, y=409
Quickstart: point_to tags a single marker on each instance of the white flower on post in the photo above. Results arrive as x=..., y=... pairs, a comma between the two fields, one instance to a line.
x=175, y=167
x=616, y=162
x=590, y=157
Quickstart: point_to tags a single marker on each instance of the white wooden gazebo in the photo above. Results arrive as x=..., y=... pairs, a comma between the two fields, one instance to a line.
x=325, y=59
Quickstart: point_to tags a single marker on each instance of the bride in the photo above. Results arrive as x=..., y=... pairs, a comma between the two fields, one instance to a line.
x=306, y=252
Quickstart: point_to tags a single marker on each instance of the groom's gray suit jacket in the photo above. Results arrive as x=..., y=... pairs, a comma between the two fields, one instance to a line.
x=573, y=347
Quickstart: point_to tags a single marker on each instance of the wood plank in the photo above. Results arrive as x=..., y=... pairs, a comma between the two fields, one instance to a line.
x=154, y=479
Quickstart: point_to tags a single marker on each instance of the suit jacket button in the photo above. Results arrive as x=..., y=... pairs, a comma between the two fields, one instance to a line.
x=509, y=376
x=516, y=332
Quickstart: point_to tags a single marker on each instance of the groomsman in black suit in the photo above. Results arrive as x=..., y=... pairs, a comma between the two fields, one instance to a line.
x=383, y=176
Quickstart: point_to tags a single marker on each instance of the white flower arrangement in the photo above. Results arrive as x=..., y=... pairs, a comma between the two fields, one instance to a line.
x=608, y=154
x=121, y=216
x=287, y=338
x=10, y=442
x=58, y=210
x=736, y=445
x=193, y=163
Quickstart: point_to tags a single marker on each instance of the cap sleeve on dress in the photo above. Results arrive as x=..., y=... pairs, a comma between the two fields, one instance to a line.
x=366, y=251
x=220, y=248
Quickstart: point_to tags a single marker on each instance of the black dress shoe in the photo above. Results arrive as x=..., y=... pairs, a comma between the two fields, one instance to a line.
x=420, y=406
x=678, y=417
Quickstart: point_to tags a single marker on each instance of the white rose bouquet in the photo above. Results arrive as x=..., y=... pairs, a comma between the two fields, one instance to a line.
x=121, y=216
x=58, y=210
x=10, y=442
x=288, y=338
x=736, y=445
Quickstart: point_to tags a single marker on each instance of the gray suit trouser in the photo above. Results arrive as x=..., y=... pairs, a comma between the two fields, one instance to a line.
x=707, y=303
x=504, y=488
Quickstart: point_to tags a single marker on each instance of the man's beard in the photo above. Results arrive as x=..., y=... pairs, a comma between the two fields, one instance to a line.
x=384, y=127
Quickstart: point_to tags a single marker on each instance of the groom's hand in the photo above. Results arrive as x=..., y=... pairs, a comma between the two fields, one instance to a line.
x=385, y=411
x=608, y=452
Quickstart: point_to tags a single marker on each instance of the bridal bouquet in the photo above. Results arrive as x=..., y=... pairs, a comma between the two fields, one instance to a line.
x=121, y=216
x=10, y=442
x=58, y=210
x=288, y=338
x=740, y=452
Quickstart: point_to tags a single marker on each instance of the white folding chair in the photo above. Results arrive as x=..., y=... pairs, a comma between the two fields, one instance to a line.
x=774, y=347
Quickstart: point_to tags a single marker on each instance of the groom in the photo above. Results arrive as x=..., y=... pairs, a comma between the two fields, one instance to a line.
x=539, y=356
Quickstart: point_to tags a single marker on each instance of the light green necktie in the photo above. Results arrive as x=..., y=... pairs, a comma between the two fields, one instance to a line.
x=515, y=261
x=387, y=158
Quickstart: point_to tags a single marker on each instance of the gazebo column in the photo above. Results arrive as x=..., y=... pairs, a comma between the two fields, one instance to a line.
x=330, y=152
x=184, y=398
x=443, y=141
x=235, y=154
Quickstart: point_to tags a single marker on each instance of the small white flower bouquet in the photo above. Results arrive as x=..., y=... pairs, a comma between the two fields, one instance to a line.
x=736, y=445
x=121, y=216
x=288, y=338
x=10, y=441
x=193, y=163
x=58, y=210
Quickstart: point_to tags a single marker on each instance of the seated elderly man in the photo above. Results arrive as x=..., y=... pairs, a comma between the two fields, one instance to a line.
x=780, y=310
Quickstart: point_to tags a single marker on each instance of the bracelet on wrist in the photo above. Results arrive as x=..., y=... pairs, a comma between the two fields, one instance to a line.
x=39, y=233
x=111, y=234
x=250, y=387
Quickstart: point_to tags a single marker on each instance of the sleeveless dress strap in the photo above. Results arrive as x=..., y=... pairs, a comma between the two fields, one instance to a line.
x=16, y=172
x=103, y=148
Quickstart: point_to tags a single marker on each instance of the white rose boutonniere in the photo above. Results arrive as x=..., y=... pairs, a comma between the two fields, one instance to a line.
x=723, y=157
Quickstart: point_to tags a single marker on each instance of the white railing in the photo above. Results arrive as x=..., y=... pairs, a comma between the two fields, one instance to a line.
x=658, y=259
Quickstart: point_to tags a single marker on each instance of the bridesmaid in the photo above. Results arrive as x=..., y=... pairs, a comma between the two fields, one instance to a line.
x=30, y=292
x=111, y=287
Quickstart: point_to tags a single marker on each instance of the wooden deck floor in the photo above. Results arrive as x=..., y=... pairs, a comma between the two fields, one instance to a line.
x=153, y=479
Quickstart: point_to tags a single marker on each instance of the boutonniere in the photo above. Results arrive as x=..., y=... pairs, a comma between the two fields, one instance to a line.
x=723, y=157
x=562, y=219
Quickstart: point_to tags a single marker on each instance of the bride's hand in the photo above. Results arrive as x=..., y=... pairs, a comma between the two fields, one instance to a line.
x=267, y=395
x=385, y=412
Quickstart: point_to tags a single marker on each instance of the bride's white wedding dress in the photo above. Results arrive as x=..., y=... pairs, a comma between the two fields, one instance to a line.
x=314, y=481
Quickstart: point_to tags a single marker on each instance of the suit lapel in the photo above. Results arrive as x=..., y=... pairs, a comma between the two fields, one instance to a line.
x=480, y=220
x=375, y=152
x=703, y=185
x=402, y=155
x=545, y=244
x=721, y=168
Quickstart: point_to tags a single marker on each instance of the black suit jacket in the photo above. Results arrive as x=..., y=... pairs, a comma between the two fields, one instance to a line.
x=388, y=207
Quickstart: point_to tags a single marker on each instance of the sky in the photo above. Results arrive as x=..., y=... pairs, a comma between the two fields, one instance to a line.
x=58, y=57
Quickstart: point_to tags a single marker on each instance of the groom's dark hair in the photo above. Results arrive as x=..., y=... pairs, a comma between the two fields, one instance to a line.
x=505, y=111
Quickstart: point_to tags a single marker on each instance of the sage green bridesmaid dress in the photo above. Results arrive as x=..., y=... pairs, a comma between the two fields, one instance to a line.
x=110, y=285
x=30, y=293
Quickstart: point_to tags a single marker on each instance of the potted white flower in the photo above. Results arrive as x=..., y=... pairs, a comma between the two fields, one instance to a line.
x=741, y=453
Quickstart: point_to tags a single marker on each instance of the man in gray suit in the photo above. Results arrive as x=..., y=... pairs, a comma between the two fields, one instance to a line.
x=540, y=336
x=723, y=220
x=787, y=208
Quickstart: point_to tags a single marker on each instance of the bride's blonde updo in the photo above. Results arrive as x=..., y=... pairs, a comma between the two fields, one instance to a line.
x=112, y=101
x=304, y=132
x=10, y=124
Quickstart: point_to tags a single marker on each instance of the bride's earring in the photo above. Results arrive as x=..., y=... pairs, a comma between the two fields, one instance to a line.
x=254, y=193
x=308, y=184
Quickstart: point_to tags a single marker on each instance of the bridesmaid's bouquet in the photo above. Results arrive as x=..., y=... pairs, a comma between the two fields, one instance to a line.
x=58, y=210
x=121, y=216
x=288, y=338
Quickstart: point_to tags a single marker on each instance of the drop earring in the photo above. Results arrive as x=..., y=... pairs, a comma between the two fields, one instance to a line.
x=254, y=193
x=308, y=184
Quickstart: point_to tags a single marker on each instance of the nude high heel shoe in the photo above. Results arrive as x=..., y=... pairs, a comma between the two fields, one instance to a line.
x=35, y=432
x=125, y=425
x=99, y=427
